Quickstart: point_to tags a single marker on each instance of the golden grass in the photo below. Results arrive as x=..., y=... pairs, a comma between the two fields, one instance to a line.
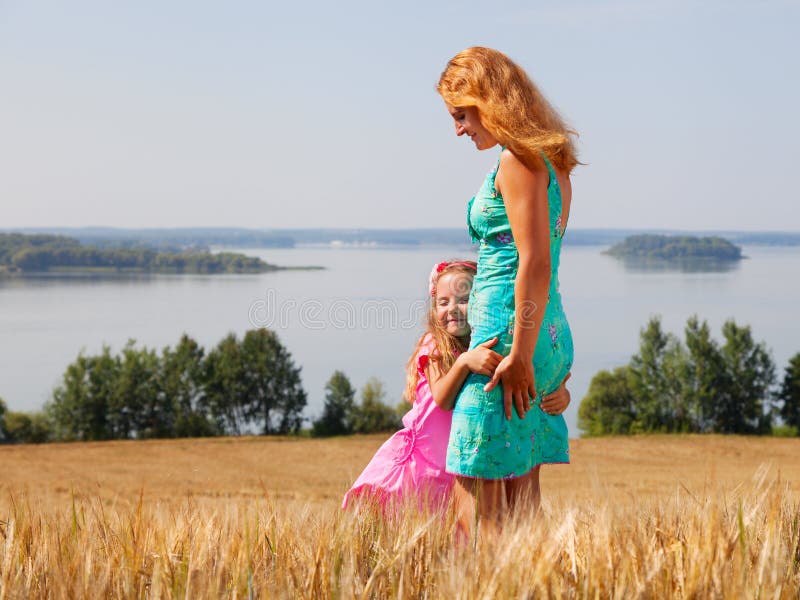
x=660, y=516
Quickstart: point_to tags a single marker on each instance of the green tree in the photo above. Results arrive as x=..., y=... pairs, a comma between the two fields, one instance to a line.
x=138, y=408
x=27, y=428
x=109, y=397
x=181, y=385
x=80, y=406
x=254, y=382
x=373, y=414
x=609, y=408
x=274, y=397
x=745, y=407
x=656, y=380
x=678, y=415
x=337, y=413
x=789, y=394
x=701, y=386
x=224, y=386
x=707, y=377
x=142, y=394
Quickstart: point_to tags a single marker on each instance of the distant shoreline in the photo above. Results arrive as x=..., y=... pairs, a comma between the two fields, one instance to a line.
x=25, y=254
x=237, y=237
x=57, y=272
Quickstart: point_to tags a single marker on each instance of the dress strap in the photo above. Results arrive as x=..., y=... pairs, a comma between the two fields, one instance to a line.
x=550, y=168
x=553, y=196
x=493, y=174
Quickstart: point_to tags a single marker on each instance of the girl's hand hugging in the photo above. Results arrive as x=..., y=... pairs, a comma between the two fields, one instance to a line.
x=482, y=360
x=557, y=402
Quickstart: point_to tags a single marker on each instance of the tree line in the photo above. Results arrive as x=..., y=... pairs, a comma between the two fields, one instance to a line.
x=247, y=385
x=42, y=252
x=251, y=385
x=696, y=386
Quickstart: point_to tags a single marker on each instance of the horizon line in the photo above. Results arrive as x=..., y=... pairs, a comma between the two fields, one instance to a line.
x=352, y=229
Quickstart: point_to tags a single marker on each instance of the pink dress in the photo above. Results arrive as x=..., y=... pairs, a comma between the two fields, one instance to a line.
x=411, y=462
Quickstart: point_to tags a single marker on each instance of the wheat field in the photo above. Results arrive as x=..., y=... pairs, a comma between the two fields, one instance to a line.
x=635, y=517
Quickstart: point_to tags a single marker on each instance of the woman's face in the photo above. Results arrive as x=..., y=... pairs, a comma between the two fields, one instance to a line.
x=468, y=121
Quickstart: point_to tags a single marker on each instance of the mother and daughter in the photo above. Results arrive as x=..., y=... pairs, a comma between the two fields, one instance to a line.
x=488, y=376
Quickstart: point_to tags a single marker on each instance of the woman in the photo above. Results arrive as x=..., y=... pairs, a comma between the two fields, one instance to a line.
x=518, y=216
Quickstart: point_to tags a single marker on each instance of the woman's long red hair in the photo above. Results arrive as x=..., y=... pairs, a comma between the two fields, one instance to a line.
x=510, y=106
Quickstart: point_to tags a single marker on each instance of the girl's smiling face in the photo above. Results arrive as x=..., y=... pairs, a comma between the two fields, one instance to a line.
x=468, y=121
x=452, y=296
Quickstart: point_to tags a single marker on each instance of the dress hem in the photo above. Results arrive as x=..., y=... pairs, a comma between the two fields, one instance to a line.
x=509, y=477
x=434, y=493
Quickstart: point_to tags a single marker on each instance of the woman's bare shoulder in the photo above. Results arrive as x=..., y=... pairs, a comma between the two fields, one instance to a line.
x=512, y=171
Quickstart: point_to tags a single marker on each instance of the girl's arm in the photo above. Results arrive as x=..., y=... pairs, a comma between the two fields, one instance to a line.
x=525, y=195
x=445, y=387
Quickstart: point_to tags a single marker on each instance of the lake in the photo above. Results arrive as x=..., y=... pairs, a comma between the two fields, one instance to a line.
x=363, y=313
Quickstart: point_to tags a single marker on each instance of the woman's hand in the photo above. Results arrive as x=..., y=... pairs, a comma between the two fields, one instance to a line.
x=481, y=359
x=516, y=375
x=557, y=402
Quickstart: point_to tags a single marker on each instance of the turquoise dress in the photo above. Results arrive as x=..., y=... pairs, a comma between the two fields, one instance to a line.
x=483, y=443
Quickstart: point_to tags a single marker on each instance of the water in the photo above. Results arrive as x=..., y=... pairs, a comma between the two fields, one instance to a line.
x=363, y=313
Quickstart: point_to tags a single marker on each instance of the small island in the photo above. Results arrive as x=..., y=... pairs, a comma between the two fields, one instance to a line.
x=685, y=252
x=38, y=253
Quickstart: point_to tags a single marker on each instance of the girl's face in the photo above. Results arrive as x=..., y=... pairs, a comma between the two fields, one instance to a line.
x=452, y=295
x=468, y=121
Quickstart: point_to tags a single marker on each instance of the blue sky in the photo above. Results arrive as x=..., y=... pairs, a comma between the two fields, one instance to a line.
x=257, y=114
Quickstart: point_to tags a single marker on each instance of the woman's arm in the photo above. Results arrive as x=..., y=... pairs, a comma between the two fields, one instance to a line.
x=524, y=192
x=445, y=387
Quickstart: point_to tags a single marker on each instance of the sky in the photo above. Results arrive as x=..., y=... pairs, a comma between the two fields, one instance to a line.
x=324, y=114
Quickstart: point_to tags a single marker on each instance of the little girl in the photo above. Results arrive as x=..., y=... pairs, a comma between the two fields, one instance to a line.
x=412, y=461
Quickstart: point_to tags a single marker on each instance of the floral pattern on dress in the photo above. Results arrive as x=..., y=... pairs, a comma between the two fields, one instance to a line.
x=551, y=329
x=559, y=231
x=504, y=238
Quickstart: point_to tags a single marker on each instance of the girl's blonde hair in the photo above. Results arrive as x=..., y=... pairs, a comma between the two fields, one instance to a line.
x=510, y=106
x=447, y=346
